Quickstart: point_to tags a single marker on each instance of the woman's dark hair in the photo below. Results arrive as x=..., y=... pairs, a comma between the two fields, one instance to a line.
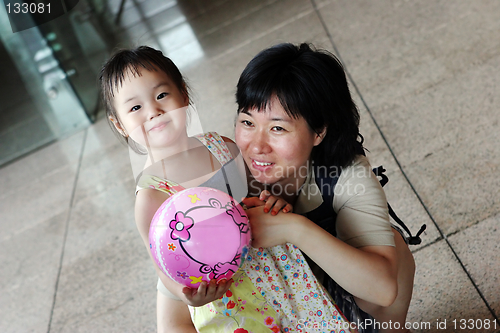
x=133, y=60
x=309, y=83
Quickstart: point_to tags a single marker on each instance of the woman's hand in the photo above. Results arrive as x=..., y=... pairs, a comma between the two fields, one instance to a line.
x=270, y=230
x=206, y=292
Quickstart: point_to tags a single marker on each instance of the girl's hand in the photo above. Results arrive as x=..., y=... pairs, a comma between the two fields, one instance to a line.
x=270, y=203
x=206, y=292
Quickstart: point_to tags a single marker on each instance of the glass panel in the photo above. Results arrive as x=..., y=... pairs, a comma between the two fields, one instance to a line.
x=38, y=102
x=78, y=42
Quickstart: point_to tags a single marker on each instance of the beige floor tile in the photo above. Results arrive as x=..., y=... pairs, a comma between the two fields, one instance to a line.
x=203, y=39
x=24, y=208
x=407, y=207
x=258, y=23
x=400, y=195
x=443, y=292
x=230, y=12
x=108, y=282
x=30, y=264
x=100, y=218
x=478, y=249
x=41, y=163
x=216, y=102
x=38, y=186
x=451, y=113
x=105, y=162
x=410, y=46
x=459, y=184
x=441, y=122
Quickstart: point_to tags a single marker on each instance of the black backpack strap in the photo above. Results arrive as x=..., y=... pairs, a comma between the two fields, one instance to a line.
x=326, y=178
x=412, y=240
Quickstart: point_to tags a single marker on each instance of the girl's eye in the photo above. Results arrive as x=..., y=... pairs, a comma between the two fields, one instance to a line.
x=246, y=123
x=135, y=108
x=278, y=129
x=162, y=95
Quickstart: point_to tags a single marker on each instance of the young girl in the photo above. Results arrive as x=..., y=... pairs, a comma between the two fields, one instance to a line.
x=146, y=102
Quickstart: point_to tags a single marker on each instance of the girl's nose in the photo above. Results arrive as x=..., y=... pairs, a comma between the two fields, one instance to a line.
x=155, y=111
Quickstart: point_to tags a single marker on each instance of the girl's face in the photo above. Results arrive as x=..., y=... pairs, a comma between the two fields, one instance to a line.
x=151, y=109
x=275, y=147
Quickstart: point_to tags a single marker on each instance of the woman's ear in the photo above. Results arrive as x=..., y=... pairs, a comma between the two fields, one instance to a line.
x=118, y=126
x=319, y=137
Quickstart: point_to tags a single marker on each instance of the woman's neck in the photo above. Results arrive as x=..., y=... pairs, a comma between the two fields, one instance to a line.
x=287, y=189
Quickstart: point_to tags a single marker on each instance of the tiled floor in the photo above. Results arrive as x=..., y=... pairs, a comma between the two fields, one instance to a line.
x=426, y=77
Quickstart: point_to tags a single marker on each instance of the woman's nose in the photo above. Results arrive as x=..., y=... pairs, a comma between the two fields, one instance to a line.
x=260, y=144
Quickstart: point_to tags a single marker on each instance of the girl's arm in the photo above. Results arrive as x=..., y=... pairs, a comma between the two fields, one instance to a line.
x=173, y=316
x=147, y=203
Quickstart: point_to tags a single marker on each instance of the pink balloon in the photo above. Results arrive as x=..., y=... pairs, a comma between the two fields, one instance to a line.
x=199, y=234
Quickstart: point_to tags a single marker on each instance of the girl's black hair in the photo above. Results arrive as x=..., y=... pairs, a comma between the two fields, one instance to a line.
x=309, y=83
x=133, y=60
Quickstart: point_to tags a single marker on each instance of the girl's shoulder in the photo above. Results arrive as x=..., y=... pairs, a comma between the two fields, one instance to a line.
x=223, y=148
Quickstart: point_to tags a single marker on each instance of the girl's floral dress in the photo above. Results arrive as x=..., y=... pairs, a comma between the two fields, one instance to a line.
x=274, y=289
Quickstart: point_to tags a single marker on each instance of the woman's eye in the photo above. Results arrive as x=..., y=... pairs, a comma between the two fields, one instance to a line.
x=278, y=129
x=162, y=95
x=246, y=123
x=135, y=108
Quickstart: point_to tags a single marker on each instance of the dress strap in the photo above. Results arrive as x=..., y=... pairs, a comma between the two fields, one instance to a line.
x=214, y=142
x=157, y=183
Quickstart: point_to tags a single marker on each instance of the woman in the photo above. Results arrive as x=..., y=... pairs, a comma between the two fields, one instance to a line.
x=296, y=119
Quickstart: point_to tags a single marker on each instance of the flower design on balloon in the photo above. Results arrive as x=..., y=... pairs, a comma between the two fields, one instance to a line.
x=180, y=227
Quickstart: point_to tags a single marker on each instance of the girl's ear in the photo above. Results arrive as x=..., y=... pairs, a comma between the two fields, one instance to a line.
x=185, y=93
x=118, y=126
x=319, y=137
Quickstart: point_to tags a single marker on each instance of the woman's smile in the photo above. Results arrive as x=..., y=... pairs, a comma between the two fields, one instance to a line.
x=274, y=145
x=262, y=166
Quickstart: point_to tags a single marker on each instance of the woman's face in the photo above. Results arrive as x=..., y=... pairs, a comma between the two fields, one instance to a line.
x=275, y=147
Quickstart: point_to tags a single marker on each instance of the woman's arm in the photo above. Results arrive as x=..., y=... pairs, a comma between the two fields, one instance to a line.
x=362, y=259
x=369, y=273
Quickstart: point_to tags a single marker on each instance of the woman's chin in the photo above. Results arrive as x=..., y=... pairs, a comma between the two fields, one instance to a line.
x=265, y=180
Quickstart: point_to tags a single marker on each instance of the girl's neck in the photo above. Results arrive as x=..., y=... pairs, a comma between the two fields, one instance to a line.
x=182, y=144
